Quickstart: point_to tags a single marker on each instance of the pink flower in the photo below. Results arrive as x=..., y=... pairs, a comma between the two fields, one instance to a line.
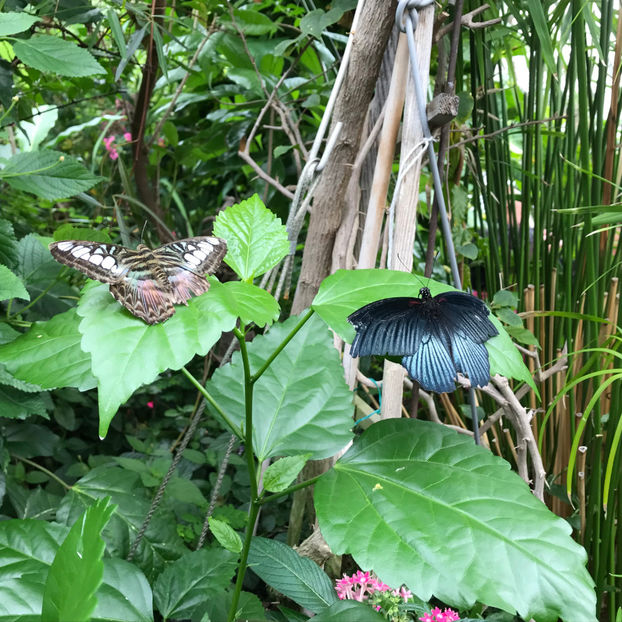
x=108, y=142
x=436, y=615
x=150, y=405
x=127, y=137
x=114, y=154
x=361, y=585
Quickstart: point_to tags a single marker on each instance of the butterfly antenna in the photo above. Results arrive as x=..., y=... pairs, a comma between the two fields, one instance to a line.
x=142, y=231
x=431, y=269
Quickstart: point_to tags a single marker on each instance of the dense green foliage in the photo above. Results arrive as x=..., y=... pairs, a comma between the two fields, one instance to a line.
x=149, y=122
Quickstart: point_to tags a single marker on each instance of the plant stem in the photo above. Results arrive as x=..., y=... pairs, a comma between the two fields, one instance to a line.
x=46, y=471
x=282, y=345
x=212, y=401
x=255, y=500
x=290, y=489
x=252, y=472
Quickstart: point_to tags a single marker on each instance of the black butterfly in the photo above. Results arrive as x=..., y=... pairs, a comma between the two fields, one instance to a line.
x=437, y=336
x=147, y=282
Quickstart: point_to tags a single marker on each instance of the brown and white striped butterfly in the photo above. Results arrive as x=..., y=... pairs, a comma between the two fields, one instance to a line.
x=147, y=282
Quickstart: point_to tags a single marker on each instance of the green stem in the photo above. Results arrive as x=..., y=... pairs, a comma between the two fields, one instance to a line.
x=44, y=470
x=252, y=472
x=279, y=349
x=32, y=302
x=212, y=401
x=256, y=501
x=253, y=511
x=287, y=491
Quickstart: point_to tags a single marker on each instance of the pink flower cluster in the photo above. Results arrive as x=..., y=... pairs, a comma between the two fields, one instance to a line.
x=436, y=615
x=361, y=585
x=111, y=148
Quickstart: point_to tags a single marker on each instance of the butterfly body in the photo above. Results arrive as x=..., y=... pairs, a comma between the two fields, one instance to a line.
x=147, y=282
x=436, y=336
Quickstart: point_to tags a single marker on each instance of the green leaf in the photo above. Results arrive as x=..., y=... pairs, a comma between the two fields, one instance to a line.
x=8, y=243
x=345, y=291
x=53, y=54
x=256, y=239
x=29, y=440
x=301, y=403
x=48, y=174
x=7, y=333
x=316, y=22
x=349, y=611
x=161, y=542
x=127, y=353
x=125, y=594
x=226, y=536
x=252, y=23
x=69, y=232
x=11, y=286
x=15, y=404
x=186, y=586
x=468, y=250
x=77, y=570
x=244, y=300
x=540, y=23
x=8, y=379
x=522, y=335
x=117, y=32
x=506, y=315
x=505, y=298
x=49, y=354
x=296, y=577
x=27, y=550
x=11, y=23
x=280, y=474
x=425, y=507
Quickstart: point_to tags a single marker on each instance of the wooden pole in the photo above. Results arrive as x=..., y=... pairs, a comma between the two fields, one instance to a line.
x=401, y=256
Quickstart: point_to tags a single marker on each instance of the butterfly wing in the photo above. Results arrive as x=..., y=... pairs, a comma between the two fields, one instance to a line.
x=431, y=365
x=393, y=326
x=467, y=326
x=144, y=297
x=467, y=315
x=185, y=263
x=102, y=262
x=438, y=337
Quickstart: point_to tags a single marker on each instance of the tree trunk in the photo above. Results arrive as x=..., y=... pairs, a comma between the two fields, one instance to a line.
x=351, y=107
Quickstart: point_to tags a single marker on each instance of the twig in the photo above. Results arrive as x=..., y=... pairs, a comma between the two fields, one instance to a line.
x=502, y=130
x=467, y=20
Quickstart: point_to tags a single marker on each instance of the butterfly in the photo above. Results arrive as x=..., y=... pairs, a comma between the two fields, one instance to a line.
x=147, y=282
x=437, y=336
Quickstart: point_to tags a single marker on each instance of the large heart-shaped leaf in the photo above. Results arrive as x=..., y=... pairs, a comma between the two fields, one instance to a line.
x=423, y=506
x=127, y=353
x=301, y=403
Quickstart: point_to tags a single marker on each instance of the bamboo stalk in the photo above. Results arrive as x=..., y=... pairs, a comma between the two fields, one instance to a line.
x=564, y=441
x=581, y=489
x=550, y=341
x=577, y=359
x=541, y=336
x=452, y=413
x=529, y=297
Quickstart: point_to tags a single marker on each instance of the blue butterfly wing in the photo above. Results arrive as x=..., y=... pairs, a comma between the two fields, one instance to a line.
x=393, y=326
x=467, y=315
x=432, y=365
x=467, y=326
x=437, y=337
